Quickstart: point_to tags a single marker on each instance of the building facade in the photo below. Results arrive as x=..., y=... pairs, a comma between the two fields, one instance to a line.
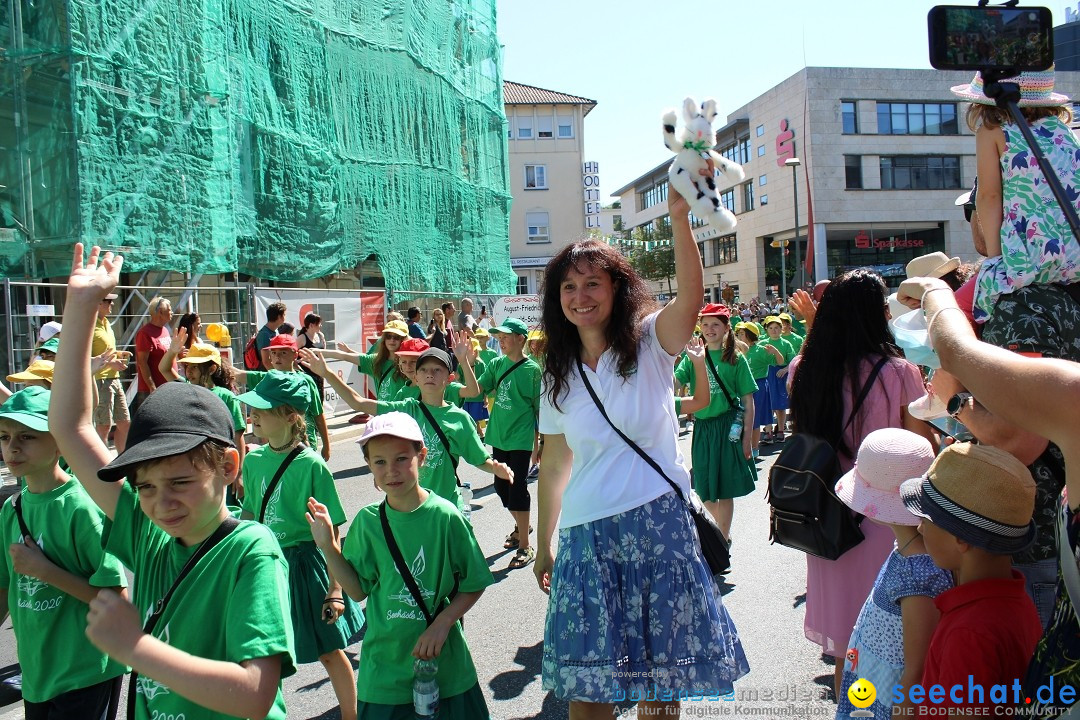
x=882, y=155
x=556, y=199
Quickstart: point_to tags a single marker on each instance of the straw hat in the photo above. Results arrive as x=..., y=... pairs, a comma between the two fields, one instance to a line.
x=934, y=265
x=1036, y=90
x=980, y=494
x=886, y=459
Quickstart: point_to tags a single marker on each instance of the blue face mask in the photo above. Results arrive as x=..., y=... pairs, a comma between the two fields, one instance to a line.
x=910, y=333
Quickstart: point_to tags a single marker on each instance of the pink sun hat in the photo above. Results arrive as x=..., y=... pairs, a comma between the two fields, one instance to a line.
x=886, y=459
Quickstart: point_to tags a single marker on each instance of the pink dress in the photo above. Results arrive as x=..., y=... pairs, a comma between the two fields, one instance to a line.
x=837, y=589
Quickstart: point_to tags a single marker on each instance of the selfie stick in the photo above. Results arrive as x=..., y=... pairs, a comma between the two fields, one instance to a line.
x=1006, y=95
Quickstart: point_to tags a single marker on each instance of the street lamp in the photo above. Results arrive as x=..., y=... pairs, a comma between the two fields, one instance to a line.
x=793, y=163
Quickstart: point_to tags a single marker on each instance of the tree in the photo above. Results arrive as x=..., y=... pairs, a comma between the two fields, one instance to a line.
x=653, y=257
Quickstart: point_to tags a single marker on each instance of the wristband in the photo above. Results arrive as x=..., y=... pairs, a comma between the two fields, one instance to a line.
x=939, y=287
x=930, y=325
x=333, y=600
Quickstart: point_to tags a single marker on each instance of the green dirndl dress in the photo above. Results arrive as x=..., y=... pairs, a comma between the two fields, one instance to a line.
x=308, y=583
x=720, y=471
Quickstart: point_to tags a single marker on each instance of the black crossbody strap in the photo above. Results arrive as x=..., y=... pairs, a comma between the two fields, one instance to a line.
x=277, y=478
x=227, y=526
x=442, y=437
x=865, y=391
x=731, y=401
x=403, y=568
x=17, y=503
x=512, y=368
x=644, y=455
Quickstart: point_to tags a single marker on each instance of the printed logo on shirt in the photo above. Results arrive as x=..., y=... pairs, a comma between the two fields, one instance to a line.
x=30, y=586
x=271, y=517
x=150, y=688
x=434, y=446
x=502, y=397
x=405, y=597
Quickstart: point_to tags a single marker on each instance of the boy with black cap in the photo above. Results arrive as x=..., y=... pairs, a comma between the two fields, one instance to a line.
x=976, y=503
x=448, y=430
x=212, y=592
x=52, y=568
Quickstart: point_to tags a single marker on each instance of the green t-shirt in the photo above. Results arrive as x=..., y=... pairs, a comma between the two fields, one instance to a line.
x=387, y=380
x=234, y=405
x=798, y=326
x=737, y=379
x=795, y=340
x=451, y=395
x=783, y=346
x=233, y=605
x=306, y=477
x=50, y=625
x=315, y=409
x=439, y=547
x=437, y=472
x=517, y=403
x=760, y=359
x=487, y=355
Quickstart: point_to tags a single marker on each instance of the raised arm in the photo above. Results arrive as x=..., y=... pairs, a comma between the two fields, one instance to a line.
x=464, y=354
x=347, y=356
x=702, y=396
x=675, y=324
x=70, y=408
x=313, y=360
x=167, y=364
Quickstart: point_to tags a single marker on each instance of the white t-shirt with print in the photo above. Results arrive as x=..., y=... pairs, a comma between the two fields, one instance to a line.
x=607, y=476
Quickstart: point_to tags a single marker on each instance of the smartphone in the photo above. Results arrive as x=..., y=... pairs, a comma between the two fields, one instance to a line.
x=1013, y=39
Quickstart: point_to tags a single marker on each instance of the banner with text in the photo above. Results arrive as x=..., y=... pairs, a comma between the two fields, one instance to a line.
x=523, y=307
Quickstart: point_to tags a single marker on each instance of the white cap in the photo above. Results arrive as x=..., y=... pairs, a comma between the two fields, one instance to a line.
x=48, y=330
x=396, y=424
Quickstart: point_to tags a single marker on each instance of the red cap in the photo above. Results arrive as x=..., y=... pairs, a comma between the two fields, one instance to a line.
x=285, y=341
x=413, y=347
x=712, y=309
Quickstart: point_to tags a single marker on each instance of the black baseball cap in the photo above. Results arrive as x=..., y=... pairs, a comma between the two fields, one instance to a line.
x=176, y=418
x=436, y=353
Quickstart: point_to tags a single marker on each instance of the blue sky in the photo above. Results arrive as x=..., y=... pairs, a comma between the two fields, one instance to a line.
x=638, y=57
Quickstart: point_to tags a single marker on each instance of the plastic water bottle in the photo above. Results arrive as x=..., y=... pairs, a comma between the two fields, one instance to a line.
x=466, y=500
x=426, y=689
x=735, y=433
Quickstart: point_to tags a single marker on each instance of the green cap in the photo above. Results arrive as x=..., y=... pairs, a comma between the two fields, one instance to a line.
x=51, y=345
x=29, y=407
x=512, y=326
x=279, y=388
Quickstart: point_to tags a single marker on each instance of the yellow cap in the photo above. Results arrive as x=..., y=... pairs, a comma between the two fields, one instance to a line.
x=397, y=327
x=749, y=327
x=38, y=370
x=202, y=353
x=771, y=319
x=535, y=335
x=481, y=333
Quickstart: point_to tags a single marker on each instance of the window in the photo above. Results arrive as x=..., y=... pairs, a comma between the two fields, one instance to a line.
x=849, y=114
x=543, y=127
x=696, y=222
x=917, y=119
x=701, y=252
x=727, y=199
x=739, y=152
x=760, y=130
x=761, y=151
x=524, y=126
x=509, y=130
x=763, y=180
x=566, y=126
x=523, y=285
x=853, y=172
x=654, y=195
x=725, y=250
x=536, y=177
x=744, y=151
x=748, y=196
x=537, y=225
x=764, y=199
x=920, y=172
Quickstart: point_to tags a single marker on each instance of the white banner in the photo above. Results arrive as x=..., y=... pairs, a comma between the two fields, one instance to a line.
x=523, y=307
x=342, y=320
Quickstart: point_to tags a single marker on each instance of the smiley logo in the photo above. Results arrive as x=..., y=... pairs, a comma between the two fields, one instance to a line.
x=862, y=693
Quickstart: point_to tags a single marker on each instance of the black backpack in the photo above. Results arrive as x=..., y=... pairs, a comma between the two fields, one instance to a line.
x=805, y=513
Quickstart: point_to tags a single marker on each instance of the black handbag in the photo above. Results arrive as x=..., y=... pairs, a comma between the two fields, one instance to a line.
x=805, y=513
x=714, y=547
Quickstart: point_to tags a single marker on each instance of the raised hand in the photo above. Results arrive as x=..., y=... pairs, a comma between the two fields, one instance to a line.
x=695, y=349
x=178, y=341
x=91, y=280
x=345, y=348
x=314, y=361
x=803, y=303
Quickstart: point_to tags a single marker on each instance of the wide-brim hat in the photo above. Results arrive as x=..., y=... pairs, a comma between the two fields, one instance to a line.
x=201, y=353
x=886, y=459
x=51, y=345
x=978, y=493
x=934, y=265
x=175, y=419
x=1036, y=90
x=37, y=370
x=29, y=407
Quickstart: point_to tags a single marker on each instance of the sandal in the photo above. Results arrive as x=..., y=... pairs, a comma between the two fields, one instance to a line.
x=522, y=558
x=512, y=540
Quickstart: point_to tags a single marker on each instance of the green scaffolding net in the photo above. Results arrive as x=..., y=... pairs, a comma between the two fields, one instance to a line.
x=286, y=140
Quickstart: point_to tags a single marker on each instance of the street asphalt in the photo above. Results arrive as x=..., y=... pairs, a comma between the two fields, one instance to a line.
x=764, y=593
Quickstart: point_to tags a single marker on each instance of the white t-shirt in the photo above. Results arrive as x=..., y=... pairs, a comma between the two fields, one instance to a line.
x=607, y=477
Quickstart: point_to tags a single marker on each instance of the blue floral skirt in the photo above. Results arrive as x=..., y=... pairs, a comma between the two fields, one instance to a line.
x=634, y=610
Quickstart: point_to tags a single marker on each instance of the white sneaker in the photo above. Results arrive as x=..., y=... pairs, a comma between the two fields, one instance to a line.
x=928, y=407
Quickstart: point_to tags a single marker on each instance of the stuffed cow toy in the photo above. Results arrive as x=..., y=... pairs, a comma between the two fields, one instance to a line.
x=693, y=146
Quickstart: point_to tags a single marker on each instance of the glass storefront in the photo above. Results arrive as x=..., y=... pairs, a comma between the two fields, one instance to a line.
x=883, y=247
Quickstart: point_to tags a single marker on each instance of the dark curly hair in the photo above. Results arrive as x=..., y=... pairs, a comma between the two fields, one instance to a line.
x=632, y=302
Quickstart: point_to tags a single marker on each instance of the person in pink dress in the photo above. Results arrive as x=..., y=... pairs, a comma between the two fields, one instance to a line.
x=849, y=335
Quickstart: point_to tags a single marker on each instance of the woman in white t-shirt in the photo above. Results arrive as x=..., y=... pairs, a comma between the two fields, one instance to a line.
x=625, y=536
